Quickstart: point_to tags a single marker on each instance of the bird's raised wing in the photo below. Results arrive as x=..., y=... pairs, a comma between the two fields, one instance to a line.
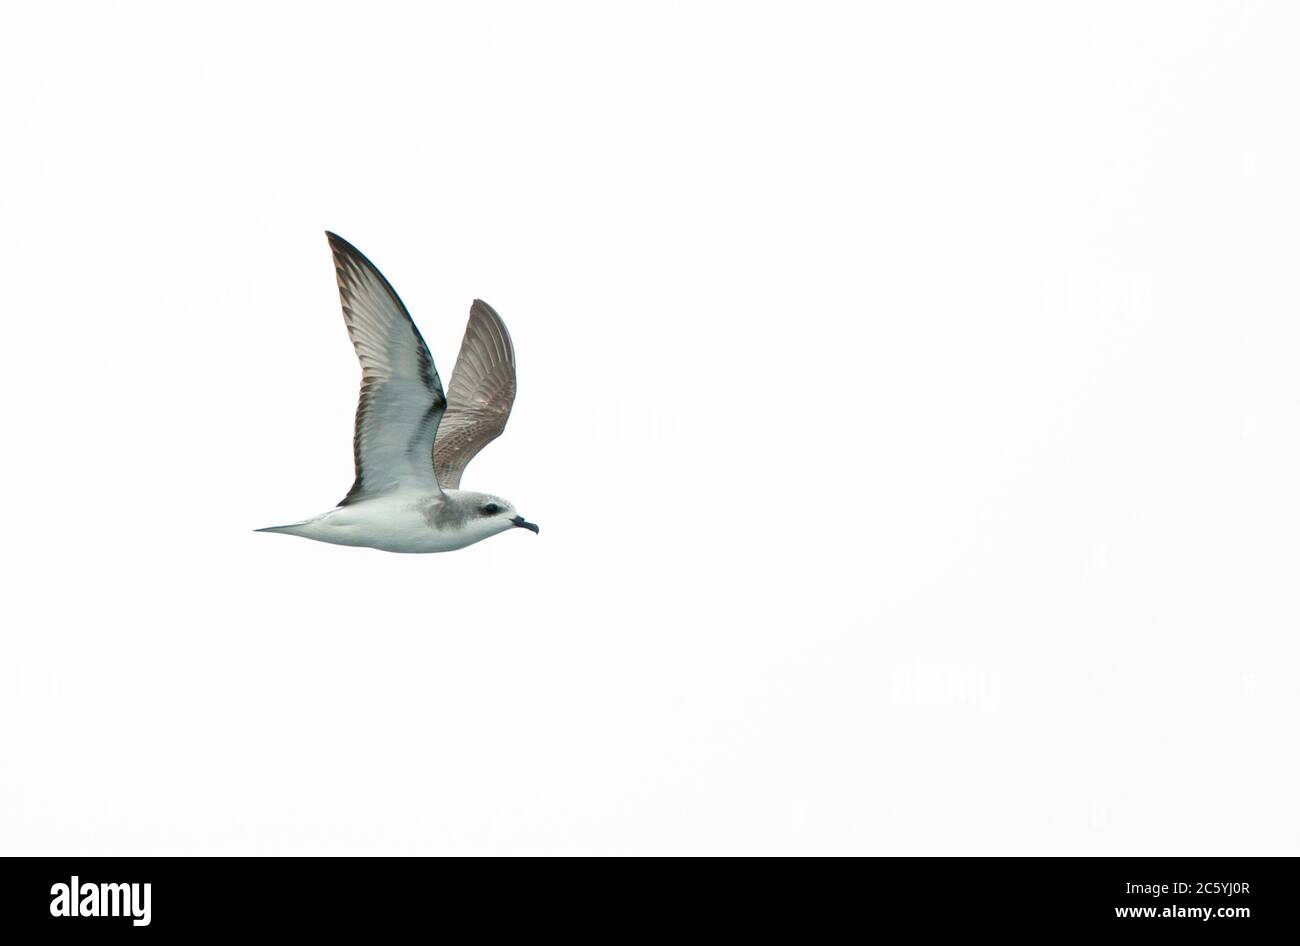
x=401, y=394
x=481, y=394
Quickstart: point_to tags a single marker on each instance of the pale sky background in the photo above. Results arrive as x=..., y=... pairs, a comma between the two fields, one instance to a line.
x=907, y=397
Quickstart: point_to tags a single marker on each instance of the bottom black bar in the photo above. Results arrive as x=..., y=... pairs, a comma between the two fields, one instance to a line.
x=99, y=898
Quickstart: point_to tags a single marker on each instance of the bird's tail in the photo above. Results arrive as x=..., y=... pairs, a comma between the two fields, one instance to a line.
x=294, y=528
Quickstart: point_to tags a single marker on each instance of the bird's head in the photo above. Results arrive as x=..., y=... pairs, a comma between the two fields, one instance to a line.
x=481, y=515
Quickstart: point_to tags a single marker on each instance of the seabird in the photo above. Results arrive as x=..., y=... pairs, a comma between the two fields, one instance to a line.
x=412, y=442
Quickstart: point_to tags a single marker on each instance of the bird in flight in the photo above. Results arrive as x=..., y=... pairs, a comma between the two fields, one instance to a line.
x=412, y=442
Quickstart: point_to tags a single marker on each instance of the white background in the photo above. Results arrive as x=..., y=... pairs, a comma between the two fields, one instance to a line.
x=908, y=397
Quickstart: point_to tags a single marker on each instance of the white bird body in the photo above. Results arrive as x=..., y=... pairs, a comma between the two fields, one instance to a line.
x=406, y=495
x=405, y=521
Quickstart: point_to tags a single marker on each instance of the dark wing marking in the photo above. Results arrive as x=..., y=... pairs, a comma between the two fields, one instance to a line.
x=401, y=395
x=481, y=394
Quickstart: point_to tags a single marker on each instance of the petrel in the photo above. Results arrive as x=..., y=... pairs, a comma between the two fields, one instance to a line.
x=412, y=442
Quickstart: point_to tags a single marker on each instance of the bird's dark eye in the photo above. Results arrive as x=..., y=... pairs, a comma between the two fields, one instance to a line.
x=491, y=509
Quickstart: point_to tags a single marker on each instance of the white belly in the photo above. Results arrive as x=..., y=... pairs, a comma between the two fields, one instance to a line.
x=391, y=523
